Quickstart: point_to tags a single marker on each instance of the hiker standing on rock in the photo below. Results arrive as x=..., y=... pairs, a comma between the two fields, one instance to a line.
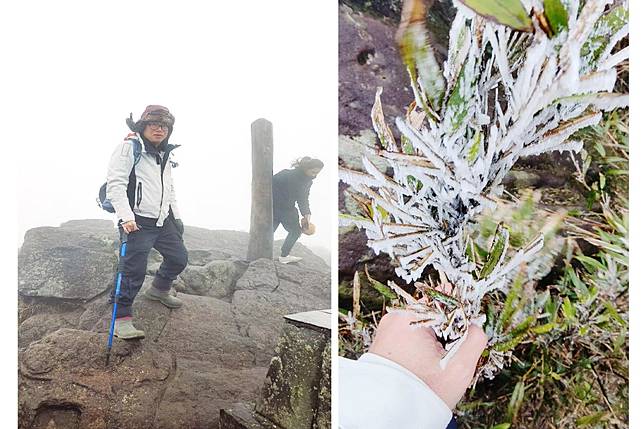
x=289, y=187
x=140, y=189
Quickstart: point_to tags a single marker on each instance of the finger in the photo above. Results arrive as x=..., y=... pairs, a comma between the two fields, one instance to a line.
x=469, y=352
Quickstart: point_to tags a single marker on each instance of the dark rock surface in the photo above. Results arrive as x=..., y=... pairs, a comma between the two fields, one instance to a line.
x=368, y=58
x=64, y=263
x=207, y=355
x=260, y=300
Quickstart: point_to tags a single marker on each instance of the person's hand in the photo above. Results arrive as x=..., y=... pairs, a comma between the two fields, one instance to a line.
x=305, y=221
x=130, y=226
x=418, y=350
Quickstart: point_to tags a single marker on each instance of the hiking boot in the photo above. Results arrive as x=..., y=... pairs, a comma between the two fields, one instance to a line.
x=125, y=330
x=164, y=297
x=289, y=259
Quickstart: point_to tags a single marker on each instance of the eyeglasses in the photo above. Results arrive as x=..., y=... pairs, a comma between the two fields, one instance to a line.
x=157, y=126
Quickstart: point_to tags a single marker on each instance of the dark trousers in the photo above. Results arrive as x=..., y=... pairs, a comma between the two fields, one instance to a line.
x=168, y=241
x=291, y=223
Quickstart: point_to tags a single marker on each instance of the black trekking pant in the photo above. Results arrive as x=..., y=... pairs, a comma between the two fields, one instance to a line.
x=168, y=241
x=291, y=222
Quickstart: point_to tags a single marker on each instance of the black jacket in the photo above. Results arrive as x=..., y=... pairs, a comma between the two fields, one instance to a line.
x=289, y=187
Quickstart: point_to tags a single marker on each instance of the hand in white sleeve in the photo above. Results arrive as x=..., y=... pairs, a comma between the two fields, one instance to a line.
x=400, y=382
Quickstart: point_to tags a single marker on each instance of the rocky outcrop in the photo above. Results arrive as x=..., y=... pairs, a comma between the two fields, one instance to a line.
x=195, y=360
x=64, y=263
x=266, y=292
x=297, y=390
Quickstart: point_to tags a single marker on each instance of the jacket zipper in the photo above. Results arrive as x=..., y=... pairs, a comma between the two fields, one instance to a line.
x=139, y=193
x=166, y=156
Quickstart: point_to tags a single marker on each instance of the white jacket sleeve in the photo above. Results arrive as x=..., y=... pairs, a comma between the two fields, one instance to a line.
x=118, y=176
x=376, y=393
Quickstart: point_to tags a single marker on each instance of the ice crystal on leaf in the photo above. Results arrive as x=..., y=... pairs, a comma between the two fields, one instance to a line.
x=502, y=94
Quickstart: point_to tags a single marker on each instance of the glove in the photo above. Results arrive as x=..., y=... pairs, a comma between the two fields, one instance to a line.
x=179, y=224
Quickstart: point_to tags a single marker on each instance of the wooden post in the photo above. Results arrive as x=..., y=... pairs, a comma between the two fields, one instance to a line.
x=260, y=244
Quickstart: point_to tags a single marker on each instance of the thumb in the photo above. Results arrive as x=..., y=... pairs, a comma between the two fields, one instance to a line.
x=469, y=352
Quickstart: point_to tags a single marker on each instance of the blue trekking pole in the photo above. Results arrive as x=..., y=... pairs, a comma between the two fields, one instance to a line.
x=117, y=294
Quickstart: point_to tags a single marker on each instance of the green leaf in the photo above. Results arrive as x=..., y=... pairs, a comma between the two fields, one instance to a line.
x=523, y=326
x=599, y=147
x=473, y=152
x=555, y=376
x=592, y=419
x=490, y=317
x=407, y=147
x=556, y=14
x=580, y=287
x=499, y=245
x=508, y=307
x=590, y=264
x=444, y=298
x=551, y=308
x=501, y=426
x=568, y=309
x=516, y=400
x=417, y=53
x=381, y=288
x=613, y=312
x=542, y=329
x=506, y=12
x=384, y=214
x=510, y=344
x=457, y=103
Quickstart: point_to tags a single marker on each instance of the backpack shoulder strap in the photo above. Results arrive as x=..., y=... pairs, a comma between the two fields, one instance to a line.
x=137, y=148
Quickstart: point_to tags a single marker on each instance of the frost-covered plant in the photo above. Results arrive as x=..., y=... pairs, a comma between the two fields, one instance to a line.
x=502, y=93
x=524, y=221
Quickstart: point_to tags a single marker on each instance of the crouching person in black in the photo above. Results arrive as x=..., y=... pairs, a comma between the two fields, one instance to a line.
x=289, y=187
x=139, y=187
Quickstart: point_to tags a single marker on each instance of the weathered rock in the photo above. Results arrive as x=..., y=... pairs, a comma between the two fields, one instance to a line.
x=355, y=254
x=297, y=282
x=258, y=306
x=66, y=371
x=39, y=325
x=322, y=416
x=207, y=353
x=199, y=389
x=216, y=279
x=234, y=245
x=205, y=329
x=64, y=263
x=368, y=58
x=291, y=395
x=297, y=389
x=242, y=415
x=202, y=257
x=260, y=275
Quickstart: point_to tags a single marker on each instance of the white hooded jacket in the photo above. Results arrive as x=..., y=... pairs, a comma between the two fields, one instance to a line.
x=154, y=194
